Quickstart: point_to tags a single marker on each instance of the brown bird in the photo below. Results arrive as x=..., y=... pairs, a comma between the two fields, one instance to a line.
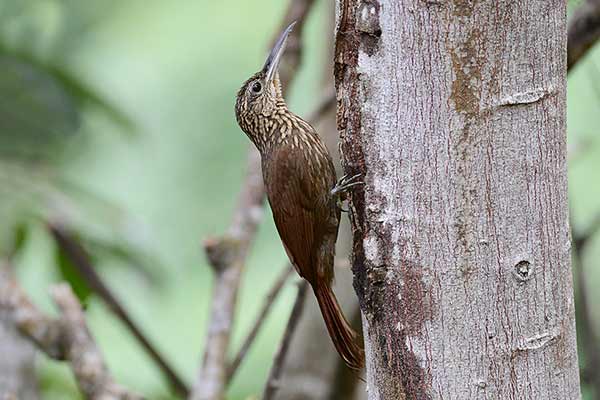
x=300, y=182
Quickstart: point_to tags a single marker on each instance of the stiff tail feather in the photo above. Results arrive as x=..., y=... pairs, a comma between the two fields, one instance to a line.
x=342, y=335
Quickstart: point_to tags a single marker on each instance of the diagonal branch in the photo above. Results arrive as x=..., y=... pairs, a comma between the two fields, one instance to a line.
x=81, y=260
x=227, y=257
x=274, y=376
x=64, y=338
x=326, y=104
x=228, y=254
x=583, y=31
x=269, y=301
x=589, y=336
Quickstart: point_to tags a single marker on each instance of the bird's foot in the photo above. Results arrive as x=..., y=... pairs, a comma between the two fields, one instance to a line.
x=345, y=183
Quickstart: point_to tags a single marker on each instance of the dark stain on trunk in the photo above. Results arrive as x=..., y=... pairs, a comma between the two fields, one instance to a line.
x=401, y=365
x=416, y=304
x=467, y=63
x=395, y=306
x=348, y=120
x=368, y=26
x=463, y=8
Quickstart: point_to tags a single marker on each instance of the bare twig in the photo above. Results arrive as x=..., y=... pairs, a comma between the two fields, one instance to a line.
x=44, y=331
x=64, y=338
x=228, y=254
x=583, y=31
x=81, y=351
x=276, y=369
x=81, y=261
x=269, y=301
x=297, y=11
x=589, y=337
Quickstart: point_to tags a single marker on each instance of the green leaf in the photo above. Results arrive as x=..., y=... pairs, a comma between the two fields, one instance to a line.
x=18, y=202
x=69, y=273
x=78, y=91
x=20, y=236
x=36, y=113
x=108, y=231
x=84, y=93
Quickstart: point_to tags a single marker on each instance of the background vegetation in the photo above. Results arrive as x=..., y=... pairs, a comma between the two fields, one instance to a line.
x=116, y=118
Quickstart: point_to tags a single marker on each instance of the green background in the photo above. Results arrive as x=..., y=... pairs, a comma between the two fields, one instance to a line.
x=158, y=157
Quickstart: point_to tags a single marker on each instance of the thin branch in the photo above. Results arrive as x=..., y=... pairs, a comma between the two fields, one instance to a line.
x=81, y=261
x=326, y=104
x=273, y=381
x=227, y=255
x=583, y=31
x=64, y=338
x=82, y=352
x=268, y=304
x=591, y=370
x=297, y=11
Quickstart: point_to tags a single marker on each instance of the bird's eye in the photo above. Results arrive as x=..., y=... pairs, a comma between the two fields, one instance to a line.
x=256, y=87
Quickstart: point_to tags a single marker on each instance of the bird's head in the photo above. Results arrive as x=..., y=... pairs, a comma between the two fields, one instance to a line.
x=260, y=96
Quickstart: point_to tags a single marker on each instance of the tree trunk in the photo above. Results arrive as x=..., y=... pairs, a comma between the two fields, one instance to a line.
x=454, y=112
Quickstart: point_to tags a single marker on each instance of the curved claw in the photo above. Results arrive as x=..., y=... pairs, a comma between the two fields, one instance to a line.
x=345, y=183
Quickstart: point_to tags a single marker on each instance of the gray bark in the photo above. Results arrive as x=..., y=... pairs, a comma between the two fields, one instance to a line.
x=17, y=363
x=454, y=112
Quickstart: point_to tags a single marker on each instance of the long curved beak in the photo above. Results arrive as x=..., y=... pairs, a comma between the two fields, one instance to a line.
x=272, y=62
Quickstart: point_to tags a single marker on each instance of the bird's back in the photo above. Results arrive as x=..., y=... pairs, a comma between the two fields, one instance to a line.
x=298, y=180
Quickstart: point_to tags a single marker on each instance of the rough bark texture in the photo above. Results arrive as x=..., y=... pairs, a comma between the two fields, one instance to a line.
x=64, y=338
x=17, y=365
x=454, y=112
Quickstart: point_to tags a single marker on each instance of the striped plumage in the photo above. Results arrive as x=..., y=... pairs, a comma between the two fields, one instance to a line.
x=299, y=177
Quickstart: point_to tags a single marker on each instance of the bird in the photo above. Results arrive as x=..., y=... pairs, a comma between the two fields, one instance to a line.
x=302, y=190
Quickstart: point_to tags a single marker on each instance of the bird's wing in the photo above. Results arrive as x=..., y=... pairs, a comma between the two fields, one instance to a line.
x=293, y=201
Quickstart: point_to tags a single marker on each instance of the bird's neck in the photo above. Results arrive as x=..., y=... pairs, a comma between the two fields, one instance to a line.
x=268, y=132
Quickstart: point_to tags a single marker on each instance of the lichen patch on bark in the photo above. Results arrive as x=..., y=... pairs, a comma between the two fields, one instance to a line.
x=466, y=64
x=459, y=231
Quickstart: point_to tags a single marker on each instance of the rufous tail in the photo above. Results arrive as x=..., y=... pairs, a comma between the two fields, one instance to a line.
x=342, y=335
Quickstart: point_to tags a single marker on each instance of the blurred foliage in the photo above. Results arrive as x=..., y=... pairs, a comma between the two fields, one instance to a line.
x=35, y=107
x=114, y=123
x=116, y=119
x=40, y=113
